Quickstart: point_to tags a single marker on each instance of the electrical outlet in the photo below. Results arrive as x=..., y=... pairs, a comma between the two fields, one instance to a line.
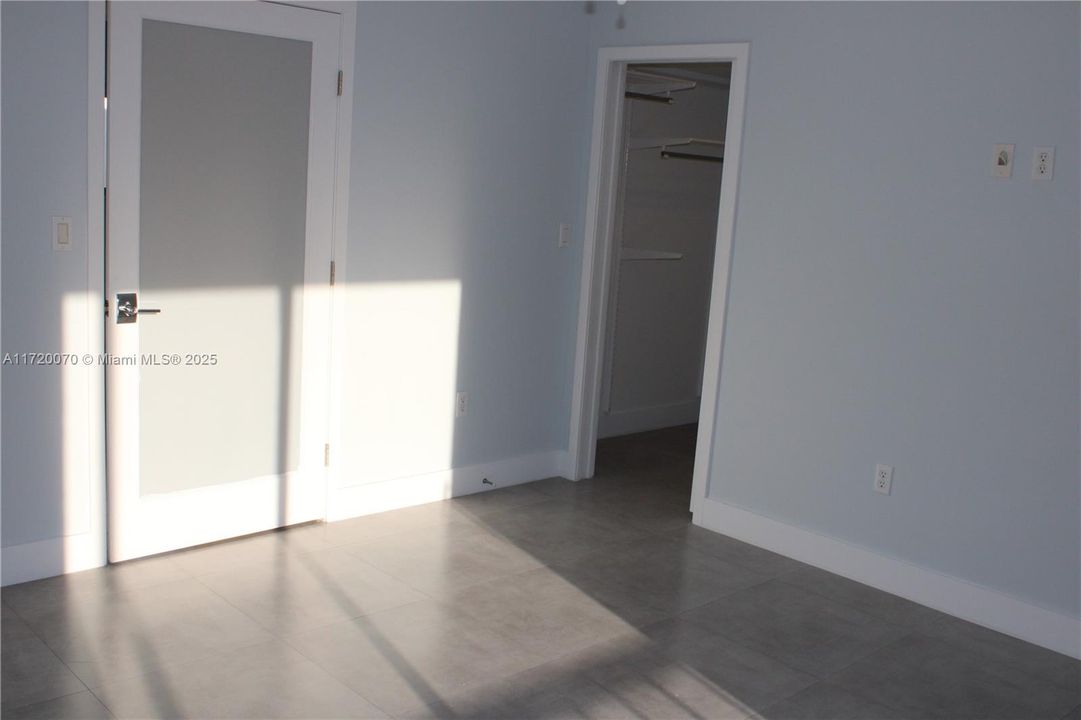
x=883, y=479
x=1002, y=162
x=1043, y=163
x=461, y=403
x=564, y=234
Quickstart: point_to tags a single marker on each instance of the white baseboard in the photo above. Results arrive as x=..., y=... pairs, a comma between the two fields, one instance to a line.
x=54, y=556
x=948, y=594
x=364, y=499
x=625, y=422
x=57, y=556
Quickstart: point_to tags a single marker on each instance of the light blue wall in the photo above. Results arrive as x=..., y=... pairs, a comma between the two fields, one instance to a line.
x=44, y=175
x=470, y=137
x=890, y=301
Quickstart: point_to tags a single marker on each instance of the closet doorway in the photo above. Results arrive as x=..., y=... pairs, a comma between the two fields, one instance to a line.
x=658, y=242
x=672, y=160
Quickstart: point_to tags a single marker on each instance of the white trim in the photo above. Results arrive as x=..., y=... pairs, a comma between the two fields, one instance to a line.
x=55, y=556
x=948, y=594
x=393, y=493
x=625, y=422
x=607, y=118
x=337, y=365
x=89, y=550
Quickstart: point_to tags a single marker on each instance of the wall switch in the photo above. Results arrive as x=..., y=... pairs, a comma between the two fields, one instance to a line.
x=61, y=233
x=1043, y=163
x=883, y=479
x=1002, y=163
x=564, y=234
x=461, y=401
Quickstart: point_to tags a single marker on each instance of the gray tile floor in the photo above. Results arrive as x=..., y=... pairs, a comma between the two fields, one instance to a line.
x=554, y=599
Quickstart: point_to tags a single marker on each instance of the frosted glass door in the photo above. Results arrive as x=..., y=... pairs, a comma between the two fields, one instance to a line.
x=222, y=207
x=220, y=230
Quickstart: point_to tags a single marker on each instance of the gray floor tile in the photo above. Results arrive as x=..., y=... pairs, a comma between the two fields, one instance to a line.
x=737, y=552
x=882, y=605
x=799, y=628
x=101, y=582
x=541, y=611
x=491, y=501
x=29, y=671
x=748, y=679
x=552, y=532
x=1025, y=658
x=416, y=519
x=1074, y=714
x=656, y=513
x=558, y=487
x=412, y=656
x=269, y=680
x=79, y=706
x=469, y=704
x=646, y=682
x=300, y=592
x=930, y=678
x=658, y=573
x=824, y=701
x=441, y=562
x=140, y=631
x=508, y=697
x=262, y=549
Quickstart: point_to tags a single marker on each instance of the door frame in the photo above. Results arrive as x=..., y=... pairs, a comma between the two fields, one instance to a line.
x=93, y=548
x=598, y=247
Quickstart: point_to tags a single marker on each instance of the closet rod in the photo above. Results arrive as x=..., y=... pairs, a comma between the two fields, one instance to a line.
x=690, y=156
x=630, y=94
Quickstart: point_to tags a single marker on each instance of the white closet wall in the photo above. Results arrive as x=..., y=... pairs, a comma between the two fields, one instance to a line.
x=659, y=306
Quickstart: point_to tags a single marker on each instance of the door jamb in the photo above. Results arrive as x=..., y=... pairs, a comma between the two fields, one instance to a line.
x=598, y=247
x=336, y=360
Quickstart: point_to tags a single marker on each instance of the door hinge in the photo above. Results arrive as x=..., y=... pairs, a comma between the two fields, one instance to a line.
x=341, y=82
x=106, y=307
x=326, y=455
x=333, y=273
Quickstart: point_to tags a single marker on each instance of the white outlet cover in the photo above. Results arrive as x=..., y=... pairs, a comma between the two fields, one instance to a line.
x=1002, y=161
x=883, y=479
x=1043, y=163
x=461, y=404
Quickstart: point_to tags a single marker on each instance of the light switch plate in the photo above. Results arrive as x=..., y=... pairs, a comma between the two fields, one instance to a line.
x=1002, y=162
x=61, y=233
x=564, y=234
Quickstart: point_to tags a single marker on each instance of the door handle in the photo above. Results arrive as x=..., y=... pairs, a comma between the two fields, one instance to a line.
x=128, y=310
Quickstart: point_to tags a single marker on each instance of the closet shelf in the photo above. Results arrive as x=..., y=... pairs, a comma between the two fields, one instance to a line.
x=713, y=149
x=629, y=254
x=647, y=85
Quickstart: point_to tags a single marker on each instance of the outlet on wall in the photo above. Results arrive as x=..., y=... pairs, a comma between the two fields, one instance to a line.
x=883, y=479
x=461, y=404
x=1043, y=163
